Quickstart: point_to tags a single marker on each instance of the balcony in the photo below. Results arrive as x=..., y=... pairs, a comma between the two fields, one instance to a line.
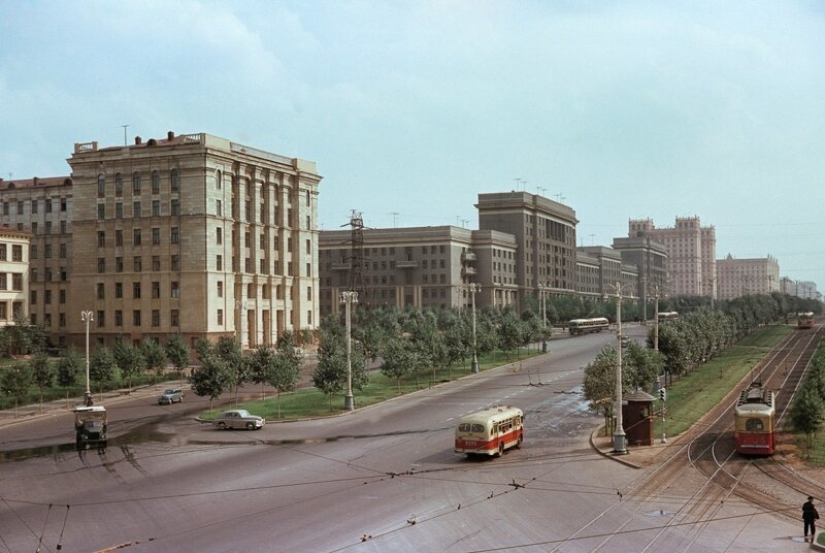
x=468, y=271
x=468, y=256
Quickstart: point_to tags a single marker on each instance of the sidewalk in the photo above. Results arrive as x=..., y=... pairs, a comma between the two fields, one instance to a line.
x=636, y=456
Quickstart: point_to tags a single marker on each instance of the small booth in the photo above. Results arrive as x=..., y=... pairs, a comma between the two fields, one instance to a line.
x=638, y=418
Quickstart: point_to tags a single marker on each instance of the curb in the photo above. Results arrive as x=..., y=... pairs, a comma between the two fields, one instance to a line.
x=609, y=455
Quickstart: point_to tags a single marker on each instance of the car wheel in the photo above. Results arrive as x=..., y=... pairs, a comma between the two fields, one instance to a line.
x=221, y=426
x=250, y=426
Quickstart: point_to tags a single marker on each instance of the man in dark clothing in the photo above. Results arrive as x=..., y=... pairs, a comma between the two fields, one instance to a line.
x=809, y=516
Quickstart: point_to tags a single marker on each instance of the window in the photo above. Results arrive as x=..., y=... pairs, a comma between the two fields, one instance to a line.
x=3, y=282
x=174, y=317
x=118, y=237
x=137, y=264
x=155, y=290
x=175, y=263
x=136, y=290
x=155, y=317
x=48, y=252
x=174, y=180
x=219, y=235
x=218, y=208
x=175, y=291
x=137, y=212
x=220, y=288
x=155, y=182
x=119, y=210
x=175, y=235
x=118, y=184
x=100, y=320
x=47, y=203
x=61, y=296
x=34, y=207
x=219, y=263
x=136, y=183
x=136, y=237
x=156, y=236
x=101, y=264
x=3, y=253
x=101, y=185
x=101, y=239
x=118, y=289
x=155, y=208
x=156, y=263
x=220, y=317
x=48, y=227
x=136, y=317
x=17, y=253
x=218, y=180
x=32, y=297
x=61, y=319
x=101, y=291
x=118, y=264
x=175, y=207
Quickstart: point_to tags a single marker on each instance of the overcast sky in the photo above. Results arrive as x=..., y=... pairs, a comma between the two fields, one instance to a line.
x=621, y=110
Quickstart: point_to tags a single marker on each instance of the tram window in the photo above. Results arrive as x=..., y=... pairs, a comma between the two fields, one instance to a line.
x=753, y=425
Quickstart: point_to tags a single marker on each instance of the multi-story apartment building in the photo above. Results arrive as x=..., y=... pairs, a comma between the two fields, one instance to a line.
x=741, y=277
x=545, y=233
x=691, y=254
x=650, y=259
x=193, y=235
x=424, y=267
x=14, y=274
x=42, y=208
x=800, y=288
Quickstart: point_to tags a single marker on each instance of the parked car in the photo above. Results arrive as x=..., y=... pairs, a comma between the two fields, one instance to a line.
x=239, y=418
x=170, y=396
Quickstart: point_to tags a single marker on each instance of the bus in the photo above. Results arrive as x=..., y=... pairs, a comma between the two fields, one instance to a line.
x=754, y=424
x=668, y=316
x=584, y=326
x=490, y=431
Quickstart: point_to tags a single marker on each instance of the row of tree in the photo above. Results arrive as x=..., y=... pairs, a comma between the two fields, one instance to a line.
x=808, y=408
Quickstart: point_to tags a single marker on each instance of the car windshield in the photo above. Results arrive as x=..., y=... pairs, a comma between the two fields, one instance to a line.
x=170, y=392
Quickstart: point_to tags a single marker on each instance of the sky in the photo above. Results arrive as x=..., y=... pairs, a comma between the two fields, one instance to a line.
x=618, y=109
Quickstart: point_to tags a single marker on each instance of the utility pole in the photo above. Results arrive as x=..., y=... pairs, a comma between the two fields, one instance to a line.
x=349, y=298
x=87, y=317
x=619, y=437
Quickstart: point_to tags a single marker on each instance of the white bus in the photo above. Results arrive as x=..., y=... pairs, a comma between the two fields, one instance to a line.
x=490, y=432
x=583, y=326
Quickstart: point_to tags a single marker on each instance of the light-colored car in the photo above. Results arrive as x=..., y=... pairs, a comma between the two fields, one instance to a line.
x=239, y=418
x=171, y=396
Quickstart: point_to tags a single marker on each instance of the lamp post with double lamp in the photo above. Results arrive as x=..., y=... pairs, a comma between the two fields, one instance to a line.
x=542, y=290
x=619, y=437
x=87, y=317
x=349, y=298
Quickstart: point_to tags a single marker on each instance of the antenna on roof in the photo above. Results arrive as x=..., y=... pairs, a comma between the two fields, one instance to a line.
x=125, y=138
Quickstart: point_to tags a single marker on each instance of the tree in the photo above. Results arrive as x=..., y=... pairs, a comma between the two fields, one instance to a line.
x=129, y=359
x=16, y=381
x=178, y=353
x=330, y=375
x=600, y=383
x=808, y=413
x=230, y=351
x=102, y=366
x=42, y=372
x=212, y=377
x=286, y=369
x=68, y=368
x=154, y=356
x=261, y=367
x=397, y=361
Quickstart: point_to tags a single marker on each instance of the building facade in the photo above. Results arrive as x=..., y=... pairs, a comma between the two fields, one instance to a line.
x=742, y=277
x=650, y=259
x=423, y=267
x=691, y=254
x=193, y=235
x=14, y=274
x=545, y=234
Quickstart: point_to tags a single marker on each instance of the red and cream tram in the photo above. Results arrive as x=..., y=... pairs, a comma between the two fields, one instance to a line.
x=755, y=421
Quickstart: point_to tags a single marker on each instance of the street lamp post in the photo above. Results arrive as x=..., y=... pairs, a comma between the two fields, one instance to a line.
x=349, y=298
x=87, y=317
x=619, y=437
x=473, y=288
x=542, y=288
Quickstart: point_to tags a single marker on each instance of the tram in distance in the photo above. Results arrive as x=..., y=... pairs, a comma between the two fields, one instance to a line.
x=805, y=320
x=754, y=426
x=584, y=326
x=490, y=431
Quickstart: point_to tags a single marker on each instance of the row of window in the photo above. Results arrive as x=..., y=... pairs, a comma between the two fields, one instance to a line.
x=174, y=183
x=174, y=290
x=8, y=315
x=137, y=237
x=137, y=264
x=137, y=209
x=100, y=318
x=16, y=281
x=47, y=205
x=16, y=252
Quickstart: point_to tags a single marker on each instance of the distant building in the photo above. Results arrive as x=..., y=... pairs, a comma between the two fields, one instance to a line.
x=800, y=289
x=649, y=256
x=14, y=274
x=742, y=277
x=691, y=254
x=193, y=235
x=423, y=267
x=545, y=233
x=601, y=270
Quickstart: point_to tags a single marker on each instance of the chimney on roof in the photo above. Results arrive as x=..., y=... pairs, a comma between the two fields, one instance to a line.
x=35, y=181
x=170, y=136
x=138, y=140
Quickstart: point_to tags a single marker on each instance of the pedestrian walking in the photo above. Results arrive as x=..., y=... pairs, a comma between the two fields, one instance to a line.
x=809, y=517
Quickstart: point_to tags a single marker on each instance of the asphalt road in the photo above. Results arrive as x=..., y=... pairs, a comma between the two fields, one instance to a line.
x=383, y=478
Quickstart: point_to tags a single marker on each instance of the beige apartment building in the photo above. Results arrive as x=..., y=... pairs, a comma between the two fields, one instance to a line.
x=422, y=267
x=691, y=254
x=545, y=234
x=742, y=277
x=14, y=274
x=193, y=235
